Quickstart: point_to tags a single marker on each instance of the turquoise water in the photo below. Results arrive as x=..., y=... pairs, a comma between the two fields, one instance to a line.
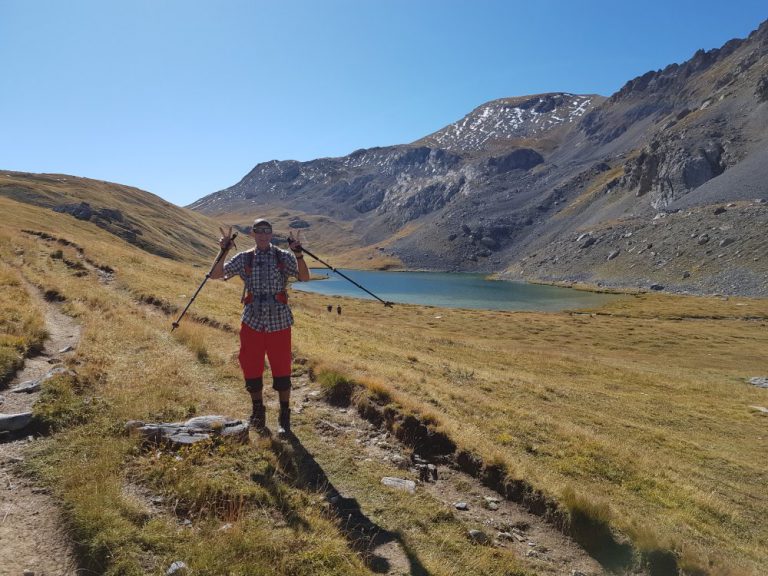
x=451, y=290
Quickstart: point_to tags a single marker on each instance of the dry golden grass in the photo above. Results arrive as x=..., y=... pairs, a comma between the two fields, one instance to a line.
x=639, y=409
x=644, y=405
x=22, y=325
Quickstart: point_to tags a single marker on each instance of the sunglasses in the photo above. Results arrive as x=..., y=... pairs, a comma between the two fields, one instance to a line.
x=262, y=230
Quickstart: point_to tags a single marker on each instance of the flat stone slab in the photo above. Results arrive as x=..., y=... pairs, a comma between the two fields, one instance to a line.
x=14, y=422
x=34, y=385
x=759, y=381
x=27, y=387
x=399, y=484
x=194, y=430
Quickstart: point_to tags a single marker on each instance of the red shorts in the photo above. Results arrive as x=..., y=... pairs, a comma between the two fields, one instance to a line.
x=253, y=346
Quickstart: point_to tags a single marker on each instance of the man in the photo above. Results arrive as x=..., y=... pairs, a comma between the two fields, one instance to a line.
x=266, y=321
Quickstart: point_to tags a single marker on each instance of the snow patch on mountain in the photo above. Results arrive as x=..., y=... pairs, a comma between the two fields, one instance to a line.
x=511, y=118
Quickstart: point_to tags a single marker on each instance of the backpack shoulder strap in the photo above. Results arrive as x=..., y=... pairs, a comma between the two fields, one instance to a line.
x=280, y=257
x=249, y=262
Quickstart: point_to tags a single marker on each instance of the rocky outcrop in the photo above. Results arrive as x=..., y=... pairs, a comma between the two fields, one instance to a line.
x=81, y=211
x=84, y=211
x=520, y=159
x=667, y=171
x=761, y=91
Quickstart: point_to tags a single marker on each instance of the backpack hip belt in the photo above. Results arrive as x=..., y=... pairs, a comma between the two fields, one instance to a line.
x=279, y=297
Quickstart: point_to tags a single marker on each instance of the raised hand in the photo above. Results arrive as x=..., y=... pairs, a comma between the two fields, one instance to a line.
x=227, y=238
x=294, y=243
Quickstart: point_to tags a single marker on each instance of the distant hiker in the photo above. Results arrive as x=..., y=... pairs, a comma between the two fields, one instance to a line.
x=338, y=310
x=266, y=321
x=330, y=307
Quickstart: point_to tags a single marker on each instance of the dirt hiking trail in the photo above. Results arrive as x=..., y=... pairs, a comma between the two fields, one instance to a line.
x=32, y=538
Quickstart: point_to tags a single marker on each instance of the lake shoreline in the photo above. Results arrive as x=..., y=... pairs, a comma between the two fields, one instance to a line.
x=455, y=290
x=591, y=287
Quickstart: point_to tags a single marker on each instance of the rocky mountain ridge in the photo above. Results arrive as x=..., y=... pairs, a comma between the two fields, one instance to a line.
x=517, y=180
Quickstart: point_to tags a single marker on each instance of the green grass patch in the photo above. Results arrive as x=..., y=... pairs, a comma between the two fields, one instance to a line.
x=63, y=403
x=336, y=388
x=224, y=481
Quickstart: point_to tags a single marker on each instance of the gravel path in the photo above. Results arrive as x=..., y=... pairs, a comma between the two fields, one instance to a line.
x=33, y=539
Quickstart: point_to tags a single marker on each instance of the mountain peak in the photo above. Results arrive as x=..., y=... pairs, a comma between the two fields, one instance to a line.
x=498, y=122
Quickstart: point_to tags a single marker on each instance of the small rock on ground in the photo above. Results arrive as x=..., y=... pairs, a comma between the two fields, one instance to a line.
x=399, y=483
x=479, y=537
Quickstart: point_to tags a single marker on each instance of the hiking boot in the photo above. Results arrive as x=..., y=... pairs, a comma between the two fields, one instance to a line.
x=258, y=419
x=284, y=423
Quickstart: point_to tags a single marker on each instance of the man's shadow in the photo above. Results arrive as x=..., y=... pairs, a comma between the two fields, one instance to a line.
x=364, y=535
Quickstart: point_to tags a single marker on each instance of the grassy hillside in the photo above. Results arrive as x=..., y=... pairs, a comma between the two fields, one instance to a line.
x=139, y=217
x=636, y=416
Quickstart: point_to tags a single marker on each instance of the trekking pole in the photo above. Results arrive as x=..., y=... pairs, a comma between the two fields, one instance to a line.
x=222, y=251
x=386, y=303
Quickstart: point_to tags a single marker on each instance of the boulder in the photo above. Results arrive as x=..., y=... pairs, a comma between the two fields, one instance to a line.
x=587, y=243
x=14, y=422
x=399, y=484
x=489, y=242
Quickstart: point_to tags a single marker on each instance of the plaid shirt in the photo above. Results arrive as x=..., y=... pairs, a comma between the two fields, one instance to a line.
x=265, y=280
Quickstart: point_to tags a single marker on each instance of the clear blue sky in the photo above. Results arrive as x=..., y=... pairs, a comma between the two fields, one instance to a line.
x=183, y=97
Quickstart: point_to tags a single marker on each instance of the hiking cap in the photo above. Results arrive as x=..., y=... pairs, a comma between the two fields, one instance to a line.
x=261, y=223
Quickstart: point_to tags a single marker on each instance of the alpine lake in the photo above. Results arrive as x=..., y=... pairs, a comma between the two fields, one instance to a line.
x=451, y=290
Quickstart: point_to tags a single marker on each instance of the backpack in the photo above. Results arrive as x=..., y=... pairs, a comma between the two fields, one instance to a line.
x=282, y=296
